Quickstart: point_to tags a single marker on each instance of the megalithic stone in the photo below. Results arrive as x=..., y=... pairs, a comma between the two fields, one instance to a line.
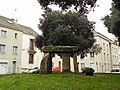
x=66, y=62
x=46, y=64
x=75, y=63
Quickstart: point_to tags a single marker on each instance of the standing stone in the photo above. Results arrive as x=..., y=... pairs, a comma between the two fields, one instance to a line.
x=46, y=64
x=75, y=64
x=66, y=62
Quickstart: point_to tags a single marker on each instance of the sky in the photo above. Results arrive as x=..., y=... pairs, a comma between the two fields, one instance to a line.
x=28, y=13
x=99, y=13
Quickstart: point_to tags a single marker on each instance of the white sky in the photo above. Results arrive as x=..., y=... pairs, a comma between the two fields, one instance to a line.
x=29, y=11
x=100, y=12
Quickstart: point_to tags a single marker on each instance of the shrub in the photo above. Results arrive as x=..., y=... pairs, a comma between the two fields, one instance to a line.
x=88, y=71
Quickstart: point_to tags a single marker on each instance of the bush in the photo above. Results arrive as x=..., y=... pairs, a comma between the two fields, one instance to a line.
x=88, y=71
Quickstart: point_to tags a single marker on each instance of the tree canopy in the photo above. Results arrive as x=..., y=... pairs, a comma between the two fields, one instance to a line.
x=79, y=5
x=112, y=21
x=66, y=29
x=116, y=4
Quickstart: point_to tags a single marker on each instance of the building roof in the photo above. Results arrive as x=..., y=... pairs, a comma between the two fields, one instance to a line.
x=10, y=23
x=102, y=36
x=115, y=42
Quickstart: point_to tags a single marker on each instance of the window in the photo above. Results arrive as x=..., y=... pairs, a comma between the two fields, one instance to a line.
x=116, y=51
x=82, y=65
x=2, y=48
x=3, y=33
x=15, y=49
x=117, y=58
x=16, y=35
x=108, y=57
x=31, y=58
x=92, y=65
x=104, y=57
x=108, y=66
x=104, y=46
x=31, y=44
x=107, y=47
x=91, y=54
x=59, y=64
x=113, y=57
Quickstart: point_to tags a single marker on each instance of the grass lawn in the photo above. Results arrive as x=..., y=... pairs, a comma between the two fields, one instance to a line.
x=60, y=82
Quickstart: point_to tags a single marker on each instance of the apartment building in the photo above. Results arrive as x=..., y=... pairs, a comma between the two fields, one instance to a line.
x=115, y=56
x=17, y=48
x=10, y=46
x=104, y=61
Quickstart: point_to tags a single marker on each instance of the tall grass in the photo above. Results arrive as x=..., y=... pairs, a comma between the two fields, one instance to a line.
x=60, y=82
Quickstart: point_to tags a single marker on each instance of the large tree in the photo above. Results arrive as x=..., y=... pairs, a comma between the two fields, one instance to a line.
x=112, y=21
x=66, y=29
x=79, y=5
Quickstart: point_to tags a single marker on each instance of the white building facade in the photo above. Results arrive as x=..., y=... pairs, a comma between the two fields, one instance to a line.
x=107, y=59
x=10, y=47
x=115, y=55
x=31, y=55
x=17, y=48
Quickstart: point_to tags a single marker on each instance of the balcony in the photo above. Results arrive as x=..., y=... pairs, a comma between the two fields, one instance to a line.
x=32, y=51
